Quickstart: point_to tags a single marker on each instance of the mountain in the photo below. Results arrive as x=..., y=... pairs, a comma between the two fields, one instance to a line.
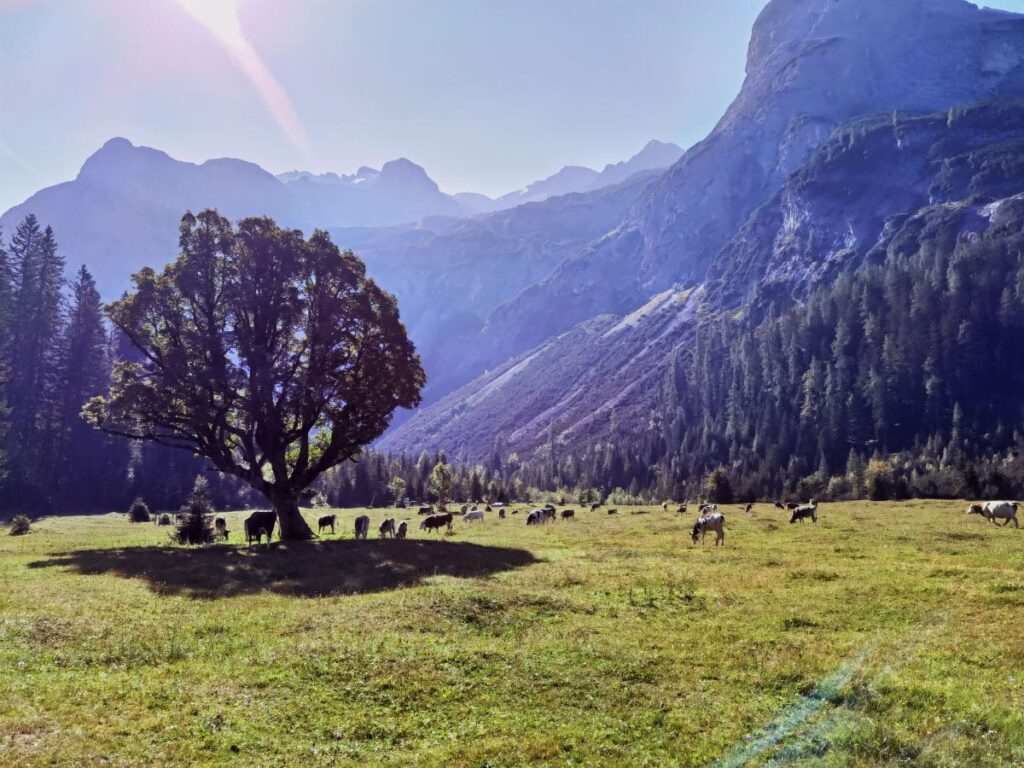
x=123, y=208
x=848, y=117
x=655, y=155
x=450, y=275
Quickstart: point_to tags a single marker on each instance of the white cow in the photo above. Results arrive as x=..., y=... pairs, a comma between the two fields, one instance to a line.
x=714, y=521
x=474, y=514
x=991, y=510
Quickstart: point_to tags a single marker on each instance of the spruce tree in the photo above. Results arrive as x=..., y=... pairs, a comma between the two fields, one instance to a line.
x=33, y=356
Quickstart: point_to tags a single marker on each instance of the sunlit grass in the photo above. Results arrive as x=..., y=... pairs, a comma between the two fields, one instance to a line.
x=885, y=634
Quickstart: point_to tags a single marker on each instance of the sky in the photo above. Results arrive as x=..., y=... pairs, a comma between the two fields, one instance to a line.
x=486, y=95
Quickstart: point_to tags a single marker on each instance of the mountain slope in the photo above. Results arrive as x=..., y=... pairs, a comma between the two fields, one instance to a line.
x=450, y=275
x=812, y=65
x=876, y=183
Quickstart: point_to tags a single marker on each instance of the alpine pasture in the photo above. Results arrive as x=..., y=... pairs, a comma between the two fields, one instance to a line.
x=885, y=634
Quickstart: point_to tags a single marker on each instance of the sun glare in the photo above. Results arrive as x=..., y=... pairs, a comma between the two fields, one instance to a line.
x=218, y=16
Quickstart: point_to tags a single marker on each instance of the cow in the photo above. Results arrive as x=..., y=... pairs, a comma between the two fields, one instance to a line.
x=403, y=528
x=327, y=521
x=613, y=511
x=595, y=505
x=568, y=514
x=779, y=505
x=808, y=510
x=221, y=528
x=534, y=518
x=258, y=525
x=501, y=513
x=464, y=509
x=682, y=509
x=362, y=527
x=714, y=521
x=487, y=507
x=664, y=506
x=549, y=513
x=990, y=510
x=707, y=509
x=474, y=514
x=387, y=528
x=749, y=508
x=515, y=511
x=436, y=522
x=791, y=505
x=428, y=510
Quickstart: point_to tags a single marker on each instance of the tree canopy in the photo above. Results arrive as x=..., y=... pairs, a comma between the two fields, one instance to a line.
x=273, y=356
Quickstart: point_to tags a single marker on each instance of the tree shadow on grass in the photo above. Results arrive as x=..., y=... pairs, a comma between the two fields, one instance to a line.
x=308, y=569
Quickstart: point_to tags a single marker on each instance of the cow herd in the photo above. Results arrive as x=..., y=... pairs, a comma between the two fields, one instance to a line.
x=260, y=525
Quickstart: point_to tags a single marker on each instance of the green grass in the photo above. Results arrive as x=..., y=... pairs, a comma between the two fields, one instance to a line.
x=887, y=634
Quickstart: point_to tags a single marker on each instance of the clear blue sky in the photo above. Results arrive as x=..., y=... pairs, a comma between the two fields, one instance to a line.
x=487, y=95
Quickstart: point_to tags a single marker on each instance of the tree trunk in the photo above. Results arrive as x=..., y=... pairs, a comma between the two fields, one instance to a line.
x=293, y=524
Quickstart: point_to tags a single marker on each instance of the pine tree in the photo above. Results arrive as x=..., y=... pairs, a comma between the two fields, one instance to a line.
x=33, y=355
x=84, y=452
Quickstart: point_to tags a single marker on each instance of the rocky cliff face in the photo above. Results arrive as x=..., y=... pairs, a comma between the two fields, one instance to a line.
x=779, y=196
x=812, y=65
x=877, y=184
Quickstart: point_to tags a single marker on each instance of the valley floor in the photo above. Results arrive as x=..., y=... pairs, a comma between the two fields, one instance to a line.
x=886, y=634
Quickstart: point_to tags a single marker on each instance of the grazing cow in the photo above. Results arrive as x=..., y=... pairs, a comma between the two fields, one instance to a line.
x=595, y=505
x=387, y=528
x=472, y=515
x=221, y=528
x=991, y=510
x=437, y=522
x=613, y=511
x=779, y=505
x=568, y=514
x=515, y=511
x=664, y=506
x=258, y=525
x=327, y=521
x=501, y=513
x=534, y=518
x=362, y=527
x=749, y=508
x=808, y=510
x=549, y=513
x=428, y=510
x=707, y=509
x=403, y=528
x=164, y=519
x=464, y=508
x=682, y=509
x=714, y=521
x=487, y=507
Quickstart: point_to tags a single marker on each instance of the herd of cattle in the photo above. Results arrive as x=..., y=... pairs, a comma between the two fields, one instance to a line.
x=260, y=524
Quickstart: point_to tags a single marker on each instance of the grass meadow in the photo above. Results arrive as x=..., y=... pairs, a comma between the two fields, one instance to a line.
x=887, y=634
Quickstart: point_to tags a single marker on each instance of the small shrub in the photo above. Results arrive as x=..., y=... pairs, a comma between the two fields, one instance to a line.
x=20, y=525
x=138, y=512
x=194, y=525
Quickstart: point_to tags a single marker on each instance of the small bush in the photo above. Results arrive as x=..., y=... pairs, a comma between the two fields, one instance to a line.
x=194, y=525
x=20, y=525
x=138, y=512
